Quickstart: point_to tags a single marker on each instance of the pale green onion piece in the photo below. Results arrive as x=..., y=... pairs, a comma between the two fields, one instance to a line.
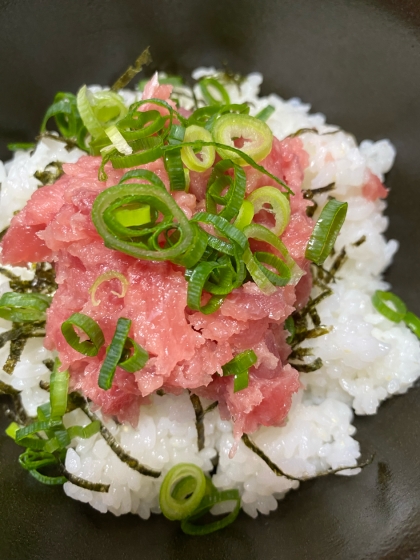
x=326, y=231
x=257, y=135
x=181, y=491
x=59, y=385
x=105, y=277
x=245, y=215
x=118, y=140
x=389, y=305
x=273, y=201
x=265, y=113
x=87, y=115
x=207, y=153
x=413, y=323
x=131, y=215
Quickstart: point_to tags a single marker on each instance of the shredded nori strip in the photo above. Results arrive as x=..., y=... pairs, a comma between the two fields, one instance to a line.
x=311, y=333
x=277, y=470
x=309, y=194
x=142, y=60
x=51, y=173
x=302, y=131
x=82, y=483
x=359, y=241
x=338, y=262
x=199, y=420
x=43, y=281
x=316, y=320
x=307, y=368
x=211, y=407
x=300, y=353
x=6, y=389
x=3, y=233
x=16, y=348
x=118, y=450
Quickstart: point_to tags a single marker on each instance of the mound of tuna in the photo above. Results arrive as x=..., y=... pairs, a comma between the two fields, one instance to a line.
x=187, y=349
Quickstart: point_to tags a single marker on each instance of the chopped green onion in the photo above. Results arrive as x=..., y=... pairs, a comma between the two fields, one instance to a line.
x=59, y=385
x=223, y=226
x=137, y=360
x=389, y=305
x=413, y=323
x=66, y=115
x=196, y=284
x=218, y=182
x=239, y=368
x=245, y=215
x=326, y=231
x=257, y=135
x=23, y=307
x=191, y=241
x=204, y=84
x=14, y=146
x=181, y=491
x=215, y=497
x=175, y=170
x=265, y=113
x=257, y=273
x=118, y=140
x=273, y=201
x=289, y=326
x=205, y=157
x=240, y=362
x=284, y=273
x=84, y=432
x=114, y=353
x=100, y=111
x=110, y=275
x=90, y=327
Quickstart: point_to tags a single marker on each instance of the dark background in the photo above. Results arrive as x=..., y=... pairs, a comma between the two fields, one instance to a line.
x=358, y=62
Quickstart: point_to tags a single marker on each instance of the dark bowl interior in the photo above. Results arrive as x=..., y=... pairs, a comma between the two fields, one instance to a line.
x=357, y=61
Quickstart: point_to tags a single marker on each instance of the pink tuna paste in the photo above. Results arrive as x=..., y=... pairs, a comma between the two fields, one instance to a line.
x=187, y=349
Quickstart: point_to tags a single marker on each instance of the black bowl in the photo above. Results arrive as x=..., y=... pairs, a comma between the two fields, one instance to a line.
x=358, y=62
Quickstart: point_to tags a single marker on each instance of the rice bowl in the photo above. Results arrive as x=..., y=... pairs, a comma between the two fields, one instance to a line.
x=366, y=358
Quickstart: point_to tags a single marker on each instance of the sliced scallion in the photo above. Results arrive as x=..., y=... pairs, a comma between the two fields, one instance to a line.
x=59, y=385
x=182, y=490
x=90, y=327
x=326, y=231
x=114, y=353
x=203, y=159
x=389, y=305
x=111, y=274
x=22, y=308
x=265, y=113
x=210, y=82
x=273, y=201
x=257, y=135
x=412, y=322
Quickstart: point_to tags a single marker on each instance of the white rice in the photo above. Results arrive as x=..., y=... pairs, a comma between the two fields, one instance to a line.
x=366, y=358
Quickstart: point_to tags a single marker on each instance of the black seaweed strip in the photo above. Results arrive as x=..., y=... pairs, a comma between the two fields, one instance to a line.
x=277, y=470
x=199, y=420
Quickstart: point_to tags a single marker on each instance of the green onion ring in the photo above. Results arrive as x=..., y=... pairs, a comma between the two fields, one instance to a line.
x=190, y=528
x=137, y=360
x=196, y=282
x=114, y=353
x=280, y=206
x=90, y=327
x=188, y=495
x=240, y=362
x=23, y=307
x=265, y=113
x=233, y=198
x=395, y=312
x=326, y=231
x=59, y=385
x=413, y=323
x=204, y=84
